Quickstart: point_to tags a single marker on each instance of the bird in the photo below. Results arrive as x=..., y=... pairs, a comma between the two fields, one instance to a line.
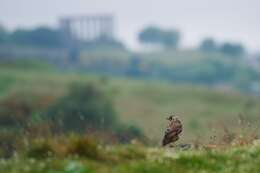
x=173, y=130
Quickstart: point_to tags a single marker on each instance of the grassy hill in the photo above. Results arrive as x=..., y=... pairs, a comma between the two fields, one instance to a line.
x=204, y=111
x=181, y=66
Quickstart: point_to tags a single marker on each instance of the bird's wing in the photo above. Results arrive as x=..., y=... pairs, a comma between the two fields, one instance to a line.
x=174, y=128
x=170, y=137
x=172, y=132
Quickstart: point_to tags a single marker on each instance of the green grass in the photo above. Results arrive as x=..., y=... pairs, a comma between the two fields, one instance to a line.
x=190, y=66
x=203, y=111
x=145, y=103
x=152, y=160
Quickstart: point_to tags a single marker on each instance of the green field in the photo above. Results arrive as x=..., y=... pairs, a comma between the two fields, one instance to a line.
x=203, y=110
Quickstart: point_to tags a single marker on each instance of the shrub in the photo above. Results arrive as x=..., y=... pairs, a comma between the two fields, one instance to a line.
x=127, y=133
x=85, y=107
x=8, y=141
x=14, y=112
x=16, y=109
x=64, y=146
x=83, y=146
x=40, y=148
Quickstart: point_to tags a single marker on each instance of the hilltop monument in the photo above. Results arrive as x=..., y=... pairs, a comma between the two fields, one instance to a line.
x=86, y=28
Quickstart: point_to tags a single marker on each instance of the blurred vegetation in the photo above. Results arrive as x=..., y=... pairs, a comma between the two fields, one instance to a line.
x=56, y=120
x=57, y=117
x=42, y=37
x=231, y=49
x=34, y=96
x=46, y=37
x=208, y=45
x=63, y=146
x=3, y=34
x=192, y=67
x=137, y=159
x=82, y=108
x=85, y=106
x=211, y=64
x=156, y=35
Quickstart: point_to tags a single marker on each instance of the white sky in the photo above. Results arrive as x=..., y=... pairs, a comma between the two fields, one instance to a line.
x=232, y=20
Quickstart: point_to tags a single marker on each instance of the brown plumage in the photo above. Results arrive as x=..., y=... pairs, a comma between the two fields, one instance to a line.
x=173, y=130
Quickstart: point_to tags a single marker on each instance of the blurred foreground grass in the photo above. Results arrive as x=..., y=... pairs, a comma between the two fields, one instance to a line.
x=139, y=159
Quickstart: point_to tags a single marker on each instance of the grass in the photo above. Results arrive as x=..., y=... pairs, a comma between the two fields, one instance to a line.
x=148, y=105
x=150, y=160
x=190, y=66
x=145, y=103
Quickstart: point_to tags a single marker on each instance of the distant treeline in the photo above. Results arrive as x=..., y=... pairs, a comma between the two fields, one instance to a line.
x=155, y=35
x=47, y=37
x=171, y=38
x=233, y=49
x=152, y=35
x=41, y=37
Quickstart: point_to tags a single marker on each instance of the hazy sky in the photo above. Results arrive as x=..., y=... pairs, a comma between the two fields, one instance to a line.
x=235, y=20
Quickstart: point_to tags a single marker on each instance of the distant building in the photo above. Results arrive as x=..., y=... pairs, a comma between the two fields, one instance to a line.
x=87, y=27
x=78, y=30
